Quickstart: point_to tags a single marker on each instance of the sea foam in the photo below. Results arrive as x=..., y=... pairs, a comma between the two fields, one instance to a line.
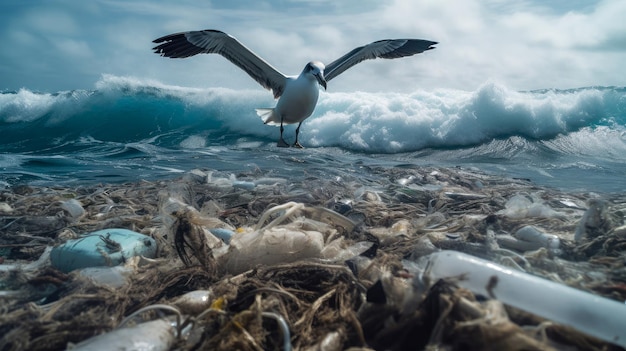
x=125, y=109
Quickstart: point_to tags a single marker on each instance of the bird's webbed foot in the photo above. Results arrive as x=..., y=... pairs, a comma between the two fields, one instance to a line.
x=282, y=143
x=297, y=144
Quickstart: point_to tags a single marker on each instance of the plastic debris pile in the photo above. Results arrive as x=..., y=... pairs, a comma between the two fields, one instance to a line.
x=401, y=258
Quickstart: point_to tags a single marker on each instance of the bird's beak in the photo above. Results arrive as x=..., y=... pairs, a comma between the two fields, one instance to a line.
x=321, y=79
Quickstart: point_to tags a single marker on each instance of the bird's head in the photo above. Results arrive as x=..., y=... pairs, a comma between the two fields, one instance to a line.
x=316, y=68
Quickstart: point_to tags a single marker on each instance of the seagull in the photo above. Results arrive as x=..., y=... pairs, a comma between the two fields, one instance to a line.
x=297, y=95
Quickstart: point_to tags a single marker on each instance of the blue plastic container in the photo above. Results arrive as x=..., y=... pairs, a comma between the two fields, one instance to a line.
x=222, y=233
x=107, y=247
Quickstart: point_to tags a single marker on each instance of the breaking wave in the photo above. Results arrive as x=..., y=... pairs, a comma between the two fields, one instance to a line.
x=128, y=110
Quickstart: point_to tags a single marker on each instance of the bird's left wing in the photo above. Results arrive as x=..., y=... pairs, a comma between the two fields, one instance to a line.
x=388, y=49
x=185, y=44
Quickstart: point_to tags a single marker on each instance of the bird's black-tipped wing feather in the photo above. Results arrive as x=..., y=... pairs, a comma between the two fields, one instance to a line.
x=186, y=44
x=387, y=49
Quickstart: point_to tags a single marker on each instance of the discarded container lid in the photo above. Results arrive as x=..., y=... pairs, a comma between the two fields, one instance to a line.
x=107, y=247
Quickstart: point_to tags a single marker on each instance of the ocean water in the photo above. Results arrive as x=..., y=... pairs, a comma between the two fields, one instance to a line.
x=128, y=129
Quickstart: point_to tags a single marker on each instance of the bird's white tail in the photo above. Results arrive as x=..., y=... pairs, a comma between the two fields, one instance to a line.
x=268, y=116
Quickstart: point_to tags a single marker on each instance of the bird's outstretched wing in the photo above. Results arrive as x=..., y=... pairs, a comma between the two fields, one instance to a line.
x=388, y=49
x=185, y=44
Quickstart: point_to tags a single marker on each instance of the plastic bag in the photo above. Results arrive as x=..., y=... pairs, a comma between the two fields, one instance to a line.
x=270, y=244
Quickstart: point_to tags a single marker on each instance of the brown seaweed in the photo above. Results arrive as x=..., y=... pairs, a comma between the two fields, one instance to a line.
x=407, y=212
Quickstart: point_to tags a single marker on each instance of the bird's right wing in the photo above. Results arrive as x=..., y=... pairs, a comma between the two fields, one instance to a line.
x=388, y=49
x=185, y=44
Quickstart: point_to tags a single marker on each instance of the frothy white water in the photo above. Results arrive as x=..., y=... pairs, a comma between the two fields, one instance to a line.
x=444, y=118
x=552, y=133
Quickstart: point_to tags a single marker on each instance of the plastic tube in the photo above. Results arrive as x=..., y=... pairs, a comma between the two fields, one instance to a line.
x=594, y=315
x=284, y=328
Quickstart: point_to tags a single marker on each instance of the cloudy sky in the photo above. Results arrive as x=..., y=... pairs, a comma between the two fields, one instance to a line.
x=52, y=45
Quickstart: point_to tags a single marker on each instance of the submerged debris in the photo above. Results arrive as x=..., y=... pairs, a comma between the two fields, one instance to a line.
x=259, y=262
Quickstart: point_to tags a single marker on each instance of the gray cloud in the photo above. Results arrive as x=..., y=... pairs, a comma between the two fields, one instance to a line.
x=62, y=45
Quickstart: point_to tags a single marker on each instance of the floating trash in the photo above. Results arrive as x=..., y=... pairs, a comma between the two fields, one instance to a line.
x=223, y=233
x=74, y=208
x=272, y=244
x=5, y=208
x=242, y=184
x=107, y=247
x=158, y=335
x=114, y=277
x=194, y=302
x=529, y=238
x=520, y=206
x=255, y=261
x=595, y=222
x=311, y=235
x=593, y=315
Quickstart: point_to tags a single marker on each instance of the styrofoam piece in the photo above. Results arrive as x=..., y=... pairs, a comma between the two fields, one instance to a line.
x=591, y=314
x=107, y=247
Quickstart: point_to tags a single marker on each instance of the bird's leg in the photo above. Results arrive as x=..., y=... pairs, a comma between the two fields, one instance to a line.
x=281, y=142
x=297, y=144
